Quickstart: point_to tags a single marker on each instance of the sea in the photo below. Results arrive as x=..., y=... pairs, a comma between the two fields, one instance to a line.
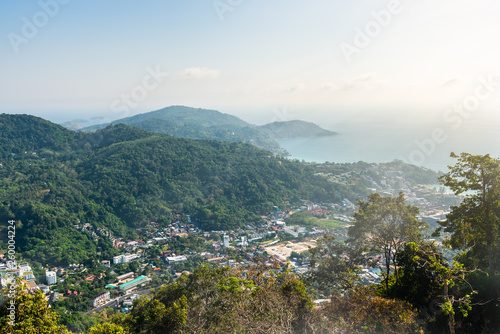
x=426, y=144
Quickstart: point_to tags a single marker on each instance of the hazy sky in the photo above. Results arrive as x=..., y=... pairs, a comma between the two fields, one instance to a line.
x=260, y=59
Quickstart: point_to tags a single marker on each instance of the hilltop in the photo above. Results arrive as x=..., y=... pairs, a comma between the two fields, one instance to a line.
x=295, y=129
x=196, y=123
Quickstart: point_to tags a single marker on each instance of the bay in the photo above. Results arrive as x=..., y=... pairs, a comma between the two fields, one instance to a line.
x=377, y=142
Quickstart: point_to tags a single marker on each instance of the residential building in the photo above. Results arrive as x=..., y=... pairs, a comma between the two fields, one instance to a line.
x=51, y=277
x=125, y=258
x=45, y=289
x=124, y=277
x=28, y=275
x=101, y=299
x=174, y=259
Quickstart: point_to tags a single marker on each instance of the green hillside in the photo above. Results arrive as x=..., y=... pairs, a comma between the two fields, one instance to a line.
x=294, y=129
x=20, y=133
x=122, y=178
x=196, y=123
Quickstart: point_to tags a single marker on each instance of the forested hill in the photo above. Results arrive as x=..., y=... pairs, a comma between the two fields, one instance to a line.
x=295, y=129
x=19, y=133
x=122, y=178
x=196, y=123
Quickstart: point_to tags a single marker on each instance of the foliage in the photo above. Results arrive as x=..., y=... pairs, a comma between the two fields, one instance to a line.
x=334, y=268
x=32, y=314
x=475, y=224
x=386, y=224
x=121, y=178
x=363, y=312
x=221, y=300
x=195, y=123
x=418, y=283
x=107, y=328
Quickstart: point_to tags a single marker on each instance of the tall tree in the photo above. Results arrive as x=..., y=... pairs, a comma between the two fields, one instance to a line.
x=24, y=312
x=425, y=269
x=384, y=225
x=334, y=265
x=474, y=224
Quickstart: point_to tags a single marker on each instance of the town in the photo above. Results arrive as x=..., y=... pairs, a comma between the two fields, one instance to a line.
x=161, y=253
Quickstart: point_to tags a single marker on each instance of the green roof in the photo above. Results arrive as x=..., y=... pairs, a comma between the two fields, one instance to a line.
x=124, y=285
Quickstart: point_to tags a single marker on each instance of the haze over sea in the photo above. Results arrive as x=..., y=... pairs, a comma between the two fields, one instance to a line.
x=383, y=141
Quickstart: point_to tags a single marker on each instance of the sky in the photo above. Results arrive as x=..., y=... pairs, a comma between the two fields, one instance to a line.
x=258, y=59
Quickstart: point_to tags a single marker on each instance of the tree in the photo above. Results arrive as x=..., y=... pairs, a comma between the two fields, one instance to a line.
x=361, y=311
x=107, y=328
x=417, y=284
x=333, y=269
x=24, y=312
x=475, y=224
x=426, y=264
x=385, y=224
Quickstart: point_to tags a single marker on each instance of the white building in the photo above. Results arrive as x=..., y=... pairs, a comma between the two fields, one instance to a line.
x=175, y=259
x=24, y=267
x=51, y=277
x=28, y=275
x=226, y=240
x=129, y=257
x=124, y=258
x=101, y=299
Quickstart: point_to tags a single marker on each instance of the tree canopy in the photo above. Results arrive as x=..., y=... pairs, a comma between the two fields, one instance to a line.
x=385, y=224
x=475, y=224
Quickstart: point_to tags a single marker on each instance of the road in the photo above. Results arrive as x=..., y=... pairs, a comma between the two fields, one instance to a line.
x=114, y=302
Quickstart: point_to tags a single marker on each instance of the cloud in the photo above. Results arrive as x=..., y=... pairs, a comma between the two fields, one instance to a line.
x=289, y=88
x=198, y=73
x=364, y=81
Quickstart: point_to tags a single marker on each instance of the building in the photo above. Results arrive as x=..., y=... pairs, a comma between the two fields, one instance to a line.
x=133, y=283
x=124, y=277
x=51, y=277
x=226, y=240
x=32, y=286
x=24, y=266
x=28, y=275
x=124, y=258
x=101, y=299
x=175, y=259
x=44, y=288
x=106, y=263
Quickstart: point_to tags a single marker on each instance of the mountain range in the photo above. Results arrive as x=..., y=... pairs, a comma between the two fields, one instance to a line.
x=196, y=123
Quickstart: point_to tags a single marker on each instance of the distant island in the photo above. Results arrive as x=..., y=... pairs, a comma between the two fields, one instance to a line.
x=295, y=129
x=197, y=123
